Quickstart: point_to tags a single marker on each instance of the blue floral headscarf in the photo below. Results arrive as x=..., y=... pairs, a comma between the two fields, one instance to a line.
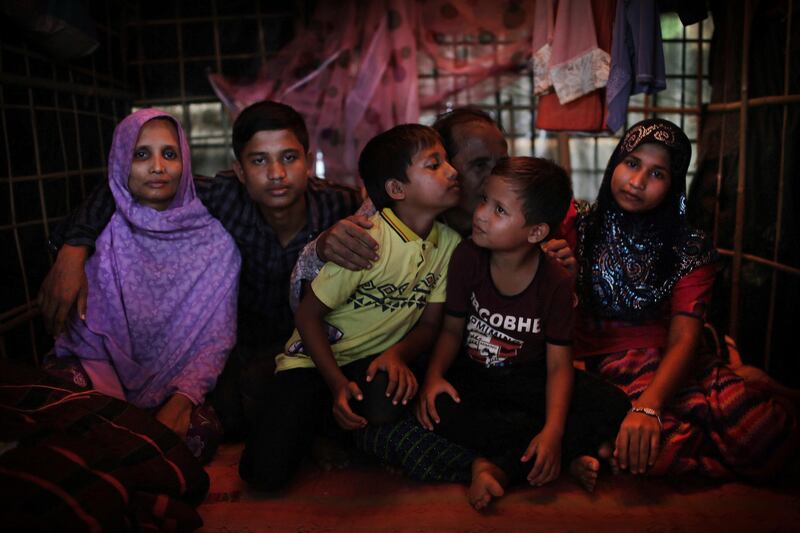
x=630, y=262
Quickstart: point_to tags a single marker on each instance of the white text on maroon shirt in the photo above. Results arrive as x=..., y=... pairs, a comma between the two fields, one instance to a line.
x=521, y=324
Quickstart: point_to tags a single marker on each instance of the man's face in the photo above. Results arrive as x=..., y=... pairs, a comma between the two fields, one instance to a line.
x=274, y=169
x=478, y=147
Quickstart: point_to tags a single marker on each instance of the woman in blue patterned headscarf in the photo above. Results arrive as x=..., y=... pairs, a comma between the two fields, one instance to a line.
x=644, y=284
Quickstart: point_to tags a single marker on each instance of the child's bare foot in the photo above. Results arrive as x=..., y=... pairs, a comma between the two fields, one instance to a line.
x=585, y=469
x=606, y=453
x=487, y=482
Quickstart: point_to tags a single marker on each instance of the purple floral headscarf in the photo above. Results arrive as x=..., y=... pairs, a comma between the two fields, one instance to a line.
x=162, y=286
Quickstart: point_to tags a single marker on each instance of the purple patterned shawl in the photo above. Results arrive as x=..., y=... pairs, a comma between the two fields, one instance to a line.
x=162, y=287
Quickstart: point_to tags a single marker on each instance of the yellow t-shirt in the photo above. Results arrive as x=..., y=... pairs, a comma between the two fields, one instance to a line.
x=373, y=309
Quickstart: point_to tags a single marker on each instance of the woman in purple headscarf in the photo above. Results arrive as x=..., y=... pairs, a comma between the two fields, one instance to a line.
x=161, y=313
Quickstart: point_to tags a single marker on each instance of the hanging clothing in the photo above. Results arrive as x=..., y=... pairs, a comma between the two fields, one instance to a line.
x=544, y=21
x=587, y=112
x=565, y=50
x=162, y=287
x=637, y=57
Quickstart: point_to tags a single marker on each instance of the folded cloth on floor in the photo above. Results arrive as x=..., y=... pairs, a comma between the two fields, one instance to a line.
x=76, y=460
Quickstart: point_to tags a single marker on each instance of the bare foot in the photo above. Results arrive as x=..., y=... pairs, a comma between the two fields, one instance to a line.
x=585, y=469
x=606, y=453
x=487, y=482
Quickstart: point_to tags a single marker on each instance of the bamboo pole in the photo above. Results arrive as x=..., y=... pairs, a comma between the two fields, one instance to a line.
x=762, y=261
x=754, y=102
x=781, y=179
x=738, y=238
x=69, y=87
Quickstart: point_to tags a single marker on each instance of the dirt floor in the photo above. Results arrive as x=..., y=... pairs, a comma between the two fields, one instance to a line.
x=369, y=498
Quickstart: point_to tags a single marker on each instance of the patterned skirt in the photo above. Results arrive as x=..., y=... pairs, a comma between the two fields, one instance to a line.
x=717, y=425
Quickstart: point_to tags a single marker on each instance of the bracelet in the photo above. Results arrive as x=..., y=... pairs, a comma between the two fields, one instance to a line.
x=649, y=412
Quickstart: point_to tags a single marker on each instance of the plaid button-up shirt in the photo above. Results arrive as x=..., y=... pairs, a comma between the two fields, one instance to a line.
x=264, y=314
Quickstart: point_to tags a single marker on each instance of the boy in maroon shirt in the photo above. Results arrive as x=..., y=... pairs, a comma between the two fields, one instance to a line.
x=510, y=391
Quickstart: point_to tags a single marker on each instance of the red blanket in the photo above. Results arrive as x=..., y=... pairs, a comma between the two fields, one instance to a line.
x=75, y=460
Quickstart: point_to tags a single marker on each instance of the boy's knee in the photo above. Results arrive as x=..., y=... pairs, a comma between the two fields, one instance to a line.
x=376, y=407
x=615, y=399
x=445, y=404
x=597, y=395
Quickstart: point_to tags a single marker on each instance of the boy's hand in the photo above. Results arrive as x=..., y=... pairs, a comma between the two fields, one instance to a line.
x=559, y=250
x=546, y=446
x=64, y=284
x=637, y=442
x=402, y=382
x=426, y=405
x=348, y=244
x=342, y=412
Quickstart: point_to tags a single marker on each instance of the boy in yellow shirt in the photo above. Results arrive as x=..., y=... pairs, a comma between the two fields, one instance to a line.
x=357, y=331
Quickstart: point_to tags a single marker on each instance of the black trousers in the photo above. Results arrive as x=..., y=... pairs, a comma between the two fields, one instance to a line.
x=501, y=410
x=240, y=388
x=297, y=404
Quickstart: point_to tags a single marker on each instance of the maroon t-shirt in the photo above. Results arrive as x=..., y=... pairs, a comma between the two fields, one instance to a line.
x=509, y=330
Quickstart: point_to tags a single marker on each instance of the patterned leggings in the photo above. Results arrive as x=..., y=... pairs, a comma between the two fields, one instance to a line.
x=421, y=454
